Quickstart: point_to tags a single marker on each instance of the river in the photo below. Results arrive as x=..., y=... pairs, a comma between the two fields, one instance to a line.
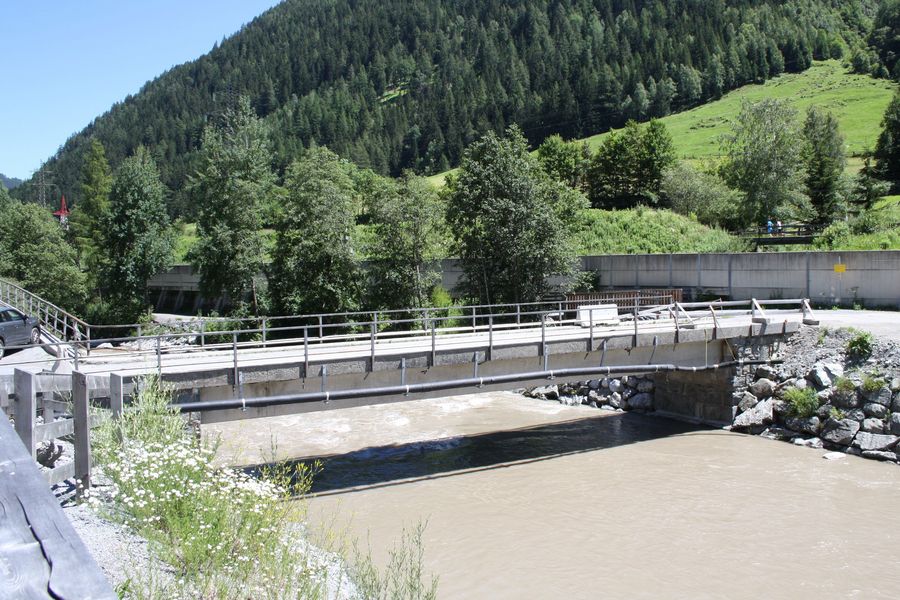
x=532, y=499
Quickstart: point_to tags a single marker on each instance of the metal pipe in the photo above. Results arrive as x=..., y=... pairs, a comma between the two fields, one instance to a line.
x=452, y=384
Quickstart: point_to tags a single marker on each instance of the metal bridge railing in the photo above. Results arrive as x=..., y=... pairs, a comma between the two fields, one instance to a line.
x=54, y=320
x=483, y=331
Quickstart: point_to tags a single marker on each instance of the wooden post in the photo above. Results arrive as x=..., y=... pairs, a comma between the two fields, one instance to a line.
x=24, y=385
x=82, y=429
x=116, y=395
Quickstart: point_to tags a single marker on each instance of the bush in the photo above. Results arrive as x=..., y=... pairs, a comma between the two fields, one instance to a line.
x=861, y=345
x=844, y=385
x=871, y=384
x=837, y=414
x=704, y=195
x=833, y=236
x=804, y=403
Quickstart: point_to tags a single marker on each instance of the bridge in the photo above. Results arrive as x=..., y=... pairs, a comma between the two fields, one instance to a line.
x=245, y=368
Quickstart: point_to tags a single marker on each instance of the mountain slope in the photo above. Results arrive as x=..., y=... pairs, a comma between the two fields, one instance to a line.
x=402, y=84
x=9, y=182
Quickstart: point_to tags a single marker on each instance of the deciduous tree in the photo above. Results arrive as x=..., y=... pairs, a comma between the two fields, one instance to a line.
x=763, y=159
x=232, y=189
x=139, y=241
x=512, y=225
x=408, y=222
x=314, y=267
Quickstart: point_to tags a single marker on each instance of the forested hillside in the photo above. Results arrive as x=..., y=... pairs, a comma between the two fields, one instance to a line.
x=9, y=182
x=408, y=84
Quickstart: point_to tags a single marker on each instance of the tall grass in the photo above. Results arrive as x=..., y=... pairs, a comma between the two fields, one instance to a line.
x=224, y=533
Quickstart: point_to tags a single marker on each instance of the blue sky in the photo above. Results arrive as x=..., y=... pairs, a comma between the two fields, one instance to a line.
x=64, y=62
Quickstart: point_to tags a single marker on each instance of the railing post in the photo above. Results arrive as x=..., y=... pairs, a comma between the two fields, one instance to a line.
x=372, y=347
x=543, y=334
x=474, y=326
x=235, y=355
x=518, y=314
x=25, y=391
x=159, y=355
x=202, y=332
x=490, y=355
x=264, y=332
x=116, y=395
x=591, y=329
x=82, y=430
x=305, y=351
x=321, y=329
x=433, y=345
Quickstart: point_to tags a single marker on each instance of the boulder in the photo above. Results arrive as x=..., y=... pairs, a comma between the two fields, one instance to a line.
x=873, y=441
x=895, y=385
x=604, y=383
x=809, y=425
x=812, y=442
x=645, y=386
x=626, y=380
x=747, y=401
x=627, y=393
x=546, y=392
x=872, y=425
x=819, y=376
x=782, y=408
x=840, y=431
x=873, y=409
x=895, y=403
x=766, y=372
x=844, y=399
x=824, y=396
x=824, y=411
x=881, y=396
x=879, y=455
x=855, y=414
x=834, y=456
x=615, y=385
x=834, y=369
x=593, y=396
x=615, y=400
x=641, y=402
x=800, y=383
x=594, y=384
x=759, y=415
x=895, y=423
x=763, y=388
x=779, y=434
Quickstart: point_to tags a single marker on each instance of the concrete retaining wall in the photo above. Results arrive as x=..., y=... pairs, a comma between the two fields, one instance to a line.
x=869, y=278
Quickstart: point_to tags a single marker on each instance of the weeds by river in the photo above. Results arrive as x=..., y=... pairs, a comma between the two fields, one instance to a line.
x=224, y=533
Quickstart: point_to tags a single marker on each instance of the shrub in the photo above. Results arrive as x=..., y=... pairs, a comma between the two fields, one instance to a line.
x=844, y=385
x=872, y=384
x=860, y=345
x=804, y=403
x=837, y=414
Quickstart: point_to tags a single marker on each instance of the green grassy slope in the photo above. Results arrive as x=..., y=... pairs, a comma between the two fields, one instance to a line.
x=858, y=101
x=646, y=231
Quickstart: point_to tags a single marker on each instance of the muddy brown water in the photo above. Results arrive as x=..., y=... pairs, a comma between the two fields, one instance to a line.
x=531, y=499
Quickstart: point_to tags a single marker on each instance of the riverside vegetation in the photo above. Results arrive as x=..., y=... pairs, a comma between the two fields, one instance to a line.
x=222, y=533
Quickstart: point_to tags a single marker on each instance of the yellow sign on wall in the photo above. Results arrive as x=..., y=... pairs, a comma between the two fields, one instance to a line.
x=840, y=268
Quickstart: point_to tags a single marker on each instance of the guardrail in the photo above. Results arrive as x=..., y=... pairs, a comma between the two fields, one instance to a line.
x=58, y=322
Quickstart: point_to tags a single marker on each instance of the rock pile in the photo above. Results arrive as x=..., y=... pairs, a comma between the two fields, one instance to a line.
x=629, y=392
x=820, y=397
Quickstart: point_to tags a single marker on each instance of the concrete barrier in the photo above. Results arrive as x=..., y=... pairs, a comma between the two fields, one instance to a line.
x=868, y=278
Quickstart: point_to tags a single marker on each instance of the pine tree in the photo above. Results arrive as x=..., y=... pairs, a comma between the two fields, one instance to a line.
x=825, y=161
x=887, y=150
x=88, y=216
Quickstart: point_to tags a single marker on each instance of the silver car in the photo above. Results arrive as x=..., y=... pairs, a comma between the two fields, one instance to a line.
x=17, y=329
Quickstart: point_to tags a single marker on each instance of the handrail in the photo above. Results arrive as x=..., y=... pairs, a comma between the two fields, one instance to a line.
x=54, y=319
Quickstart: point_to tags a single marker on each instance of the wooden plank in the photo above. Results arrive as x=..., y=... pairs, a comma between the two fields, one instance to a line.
x=25, y=408
x=57, y=429
x=82, y=429
x=40, y=553
x=60, y=473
